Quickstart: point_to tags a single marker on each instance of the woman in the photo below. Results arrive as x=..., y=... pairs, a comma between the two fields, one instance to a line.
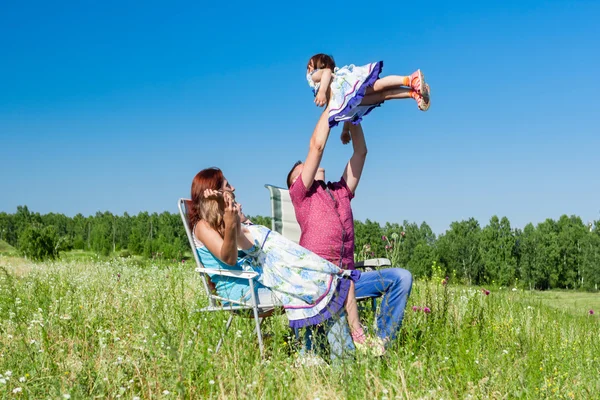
x=310, y=288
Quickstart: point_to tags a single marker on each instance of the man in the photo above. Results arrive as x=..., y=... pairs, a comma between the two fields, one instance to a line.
x=324, y=213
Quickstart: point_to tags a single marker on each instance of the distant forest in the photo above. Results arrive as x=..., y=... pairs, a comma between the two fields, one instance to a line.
x=554, y=254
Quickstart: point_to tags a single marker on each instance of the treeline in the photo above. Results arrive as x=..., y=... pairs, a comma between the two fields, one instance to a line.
x=554, y=254
x=45, y=236
x=561, y=254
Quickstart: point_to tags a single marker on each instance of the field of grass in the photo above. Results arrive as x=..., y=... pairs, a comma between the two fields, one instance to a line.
x=115, y=329
x=6, y=248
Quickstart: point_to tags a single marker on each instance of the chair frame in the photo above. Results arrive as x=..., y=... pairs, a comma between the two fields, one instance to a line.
x=260, y=311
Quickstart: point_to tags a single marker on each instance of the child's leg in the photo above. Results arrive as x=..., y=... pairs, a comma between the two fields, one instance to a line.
x=356, y=329
x=398, y=93
x=389, y=94
x=415, y=81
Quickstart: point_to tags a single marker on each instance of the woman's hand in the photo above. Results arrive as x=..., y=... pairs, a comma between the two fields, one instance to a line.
x=231, y=216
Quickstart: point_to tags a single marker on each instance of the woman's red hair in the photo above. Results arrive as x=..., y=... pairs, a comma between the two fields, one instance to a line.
x=209, y=178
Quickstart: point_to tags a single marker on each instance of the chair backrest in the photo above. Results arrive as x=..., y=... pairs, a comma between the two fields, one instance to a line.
x=283, y=213
x=184, y=205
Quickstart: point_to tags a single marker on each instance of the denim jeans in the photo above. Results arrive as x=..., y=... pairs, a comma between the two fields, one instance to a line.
x=393, y=285
x=336, y=332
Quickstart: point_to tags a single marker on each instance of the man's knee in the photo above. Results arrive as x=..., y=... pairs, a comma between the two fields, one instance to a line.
x=403, y=278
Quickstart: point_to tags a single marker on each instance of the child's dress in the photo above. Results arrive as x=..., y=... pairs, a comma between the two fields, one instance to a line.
x=310, y=288
x=348, y=87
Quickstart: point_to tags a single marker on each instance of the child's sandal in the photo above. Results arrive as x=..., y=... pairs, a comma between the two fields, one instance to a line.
x=424, y=100
x=417, y=81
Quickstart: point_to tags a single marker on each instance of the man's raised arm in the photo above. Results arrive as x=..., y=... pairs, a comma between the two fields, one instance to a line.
x=355, y=166
x=316, y=149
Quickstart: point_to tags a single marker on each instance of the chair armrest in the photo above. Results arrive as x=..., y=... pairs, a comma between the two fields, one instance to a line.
x=225, y=272
x=373, y=262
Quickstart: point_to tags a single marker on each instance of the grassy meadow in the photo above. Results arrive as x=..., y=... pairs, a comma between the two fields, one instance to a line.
x=85, y=327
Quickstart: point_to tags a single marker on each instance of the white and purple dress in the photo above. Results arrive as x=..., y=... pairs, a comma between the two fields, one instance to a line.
x=348, y=87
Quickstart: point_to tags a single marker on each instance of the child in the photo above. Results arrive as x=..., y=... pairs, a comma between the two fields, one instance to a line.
x=354, y=91
x=288, y=269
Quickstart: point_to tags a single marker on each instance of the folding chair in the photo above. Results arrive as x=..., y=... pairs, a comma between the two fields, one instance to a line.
x=284, y=221
x=260, y=311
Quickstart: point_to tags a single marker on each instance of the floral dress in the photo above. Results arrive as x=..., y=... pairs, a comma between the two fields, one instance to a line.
x=310, y=288
x=348, y=87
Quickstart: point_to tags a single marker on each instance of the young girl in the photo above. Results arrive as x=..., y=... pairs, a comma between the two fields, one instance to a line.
x=353, y=91
x=304, y=282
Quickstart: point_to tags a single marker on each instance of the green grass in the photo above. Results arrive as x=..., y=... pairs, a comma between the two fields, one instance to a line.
x=113, y=328
x=6, y=248
x=576, y=303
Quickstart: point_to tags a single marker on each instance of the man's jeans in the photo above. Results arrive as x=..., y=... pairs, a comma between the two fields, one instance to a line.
x=393, y=284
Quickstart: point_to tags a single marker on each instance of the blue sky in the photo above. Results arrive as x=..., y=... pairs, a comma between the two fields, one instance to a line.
x=116, y=105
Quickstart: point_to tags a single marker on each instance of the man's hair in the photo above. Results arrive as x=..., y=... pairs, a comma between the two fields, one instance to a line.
x=289, y=177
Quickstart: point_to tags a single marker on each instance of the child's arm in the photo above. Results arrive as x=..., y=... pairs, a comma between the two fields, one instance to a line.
x=323, y=76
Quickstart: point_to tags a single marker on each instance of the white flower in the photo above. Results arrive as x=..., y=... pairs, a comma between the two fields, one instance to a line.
x=3, y=381
x=8, y=373
x=17, y=390
x=136, y=398
x=505, y=351
x=211, y=382
x=514, y=289
x=32, y=341
x=66, y=396
x=166, y=392
x=22, y=379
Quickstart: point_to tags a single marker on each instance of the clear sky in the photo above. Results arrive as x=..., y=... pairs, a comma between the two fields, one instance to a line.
x=117, y=105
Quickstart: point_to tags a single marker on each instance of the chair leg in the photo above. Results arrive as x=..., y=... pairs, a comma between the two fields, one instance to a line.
x=227, y=325
x=259, y=332
x=257, y=319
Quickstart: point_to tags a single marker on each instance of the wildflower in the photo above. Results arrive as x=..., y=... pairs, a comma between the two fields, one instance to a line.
x=17, y=390
x=3, y=381
x=514, y=289
x=394, y=236
x=388, y=247
x=415, y=308
x=485, y=291
x=426, y=310
x=66, y=396
x=165, y=392
x=591, y=312
x=8, y=373
x=211, y=382
x=384, y=238
x=22, y=379
x=402, y=233
x=444, y=282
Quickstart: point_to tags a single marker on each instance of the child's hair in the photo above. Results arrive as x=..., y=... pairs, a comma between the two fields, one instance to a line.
x=320, y=61
x=211, y=210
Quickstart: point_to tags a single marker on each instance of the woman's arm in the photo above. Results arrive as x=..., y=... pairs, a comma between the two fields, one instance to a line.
x=224, y=248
